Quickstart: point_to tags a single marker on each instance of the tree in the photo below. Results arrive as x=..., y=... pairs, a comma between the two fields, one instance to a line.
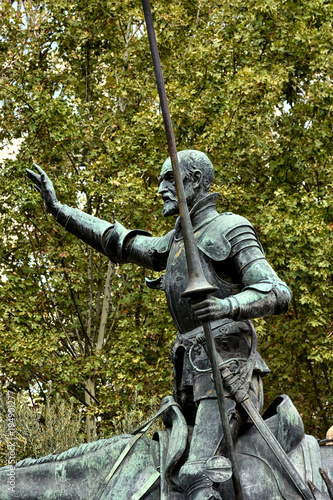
x=40, y=428
x=55, y=317
x=249, y=84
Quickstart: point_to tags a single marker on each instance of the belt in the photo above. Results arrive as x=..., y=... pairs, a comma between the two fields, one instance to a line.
x=224, y=326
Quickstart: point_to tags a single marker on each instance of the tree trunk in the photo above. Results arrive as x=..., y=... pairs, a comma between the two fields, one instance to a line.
x=90, y=420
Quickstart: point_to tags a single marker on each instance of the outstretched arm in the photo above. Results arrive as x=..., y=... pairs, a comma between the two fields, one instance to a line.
x=113, y=240
x=86, y=227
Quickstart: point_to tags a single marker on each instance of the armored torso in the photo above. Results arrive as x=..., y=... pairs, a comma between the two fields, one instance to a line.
x=232, y=260
x=176, y=274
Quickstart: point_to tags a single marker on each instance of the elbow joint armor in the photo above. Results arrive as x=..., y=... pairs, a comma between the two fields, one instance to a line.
x=115, y=240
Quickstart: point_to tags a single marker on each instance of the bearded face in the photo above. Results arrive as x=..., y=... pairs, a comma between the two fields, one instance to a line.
x=170, y=207
x=167, y=190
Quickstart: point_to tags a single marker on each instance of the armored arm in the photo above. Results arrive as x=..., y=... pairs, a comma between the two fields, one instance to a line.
x=86, y=227
x=113, y=240
x=263, y=293
x=119, y=244
x=136, y=246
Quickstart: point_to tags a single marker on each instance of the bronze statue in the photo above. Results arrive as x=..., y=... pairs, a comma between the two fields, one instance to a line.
x=233, y=260
x=208, y=414
x=228, y=283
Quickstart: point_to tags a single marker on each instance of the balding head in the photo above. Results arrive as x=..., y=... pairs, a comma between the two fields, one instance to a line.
x=191, y=160
x=197, y=173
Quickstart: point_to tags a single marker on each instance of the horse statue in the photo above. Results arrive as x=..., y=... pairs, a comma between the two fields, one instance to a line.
x=134, y=467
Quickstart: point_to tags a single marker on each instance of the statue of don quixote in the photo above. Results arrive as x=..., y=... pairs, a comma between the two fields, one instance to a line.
x=216, y=444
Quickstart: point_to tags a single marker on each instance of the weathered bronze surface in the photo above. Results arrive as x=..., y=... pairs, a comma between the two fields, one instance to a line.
x=83, y=473
x=246, y=287
x=217, y=368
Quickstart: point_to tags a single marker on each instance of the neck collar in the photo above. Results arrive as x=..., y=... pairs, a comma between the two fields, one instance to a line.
x=202, y=211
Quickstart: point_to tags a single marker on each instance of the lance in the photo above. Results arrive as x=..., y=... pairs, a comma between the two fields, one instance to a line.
x=198, y=286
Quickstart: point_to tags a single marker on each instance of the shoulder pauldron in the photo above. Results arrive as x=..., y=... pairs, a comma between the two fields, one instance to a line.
x=213, y=240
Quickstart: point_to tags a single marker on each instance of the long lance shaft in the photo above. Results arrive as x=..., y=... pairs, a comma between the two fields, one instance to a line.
x=197, y=286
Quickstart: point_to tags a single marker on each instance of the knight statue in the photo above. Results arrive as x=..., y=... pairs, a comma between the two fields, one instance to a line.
x=234, y=262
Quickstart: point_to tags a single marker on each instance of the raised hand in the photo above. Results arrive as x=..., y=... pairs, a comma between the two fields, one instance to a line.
x=44, y=186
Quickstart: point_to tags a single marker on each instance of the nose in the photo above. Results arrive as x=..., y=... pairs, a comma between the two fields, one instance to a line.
x=162, y=187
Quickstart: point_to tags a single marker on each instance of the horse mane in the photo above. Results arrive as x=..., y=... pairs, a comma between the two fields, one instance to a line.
x=71, y=453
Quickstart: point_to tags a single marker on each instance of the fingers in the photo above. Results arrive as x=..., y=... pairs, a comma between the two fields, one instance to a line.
x=210, y=309
x=38, y=180
x=205, y=317
x=204, y=310
x=201, y=305
x=32, y=175
x=40, y=170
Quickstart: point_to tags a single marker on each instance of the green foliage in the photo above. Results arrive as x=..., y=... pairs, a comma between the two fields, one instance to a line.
x=42, y=429
x=250, y=84
x=135, y=417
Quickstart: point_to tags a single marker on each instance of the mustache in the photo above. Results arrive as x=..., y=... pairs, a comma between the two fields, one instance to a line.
x=167, y=199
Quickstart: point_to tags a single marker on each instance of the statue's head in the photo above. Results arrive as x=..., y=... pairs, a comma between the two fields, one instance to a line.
x=197, y=173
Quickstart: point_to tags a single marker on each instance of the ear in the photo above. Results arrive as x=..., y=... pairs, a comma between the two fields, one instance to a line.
x=197, y=178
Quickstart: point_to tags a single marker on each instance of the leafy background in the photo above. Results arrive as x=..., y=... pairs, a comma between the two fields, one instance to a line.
x=249, y=83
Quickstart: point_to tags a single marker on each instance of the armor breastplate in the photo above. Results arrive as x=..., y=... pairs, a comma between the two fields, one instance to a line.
x=176, y=281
